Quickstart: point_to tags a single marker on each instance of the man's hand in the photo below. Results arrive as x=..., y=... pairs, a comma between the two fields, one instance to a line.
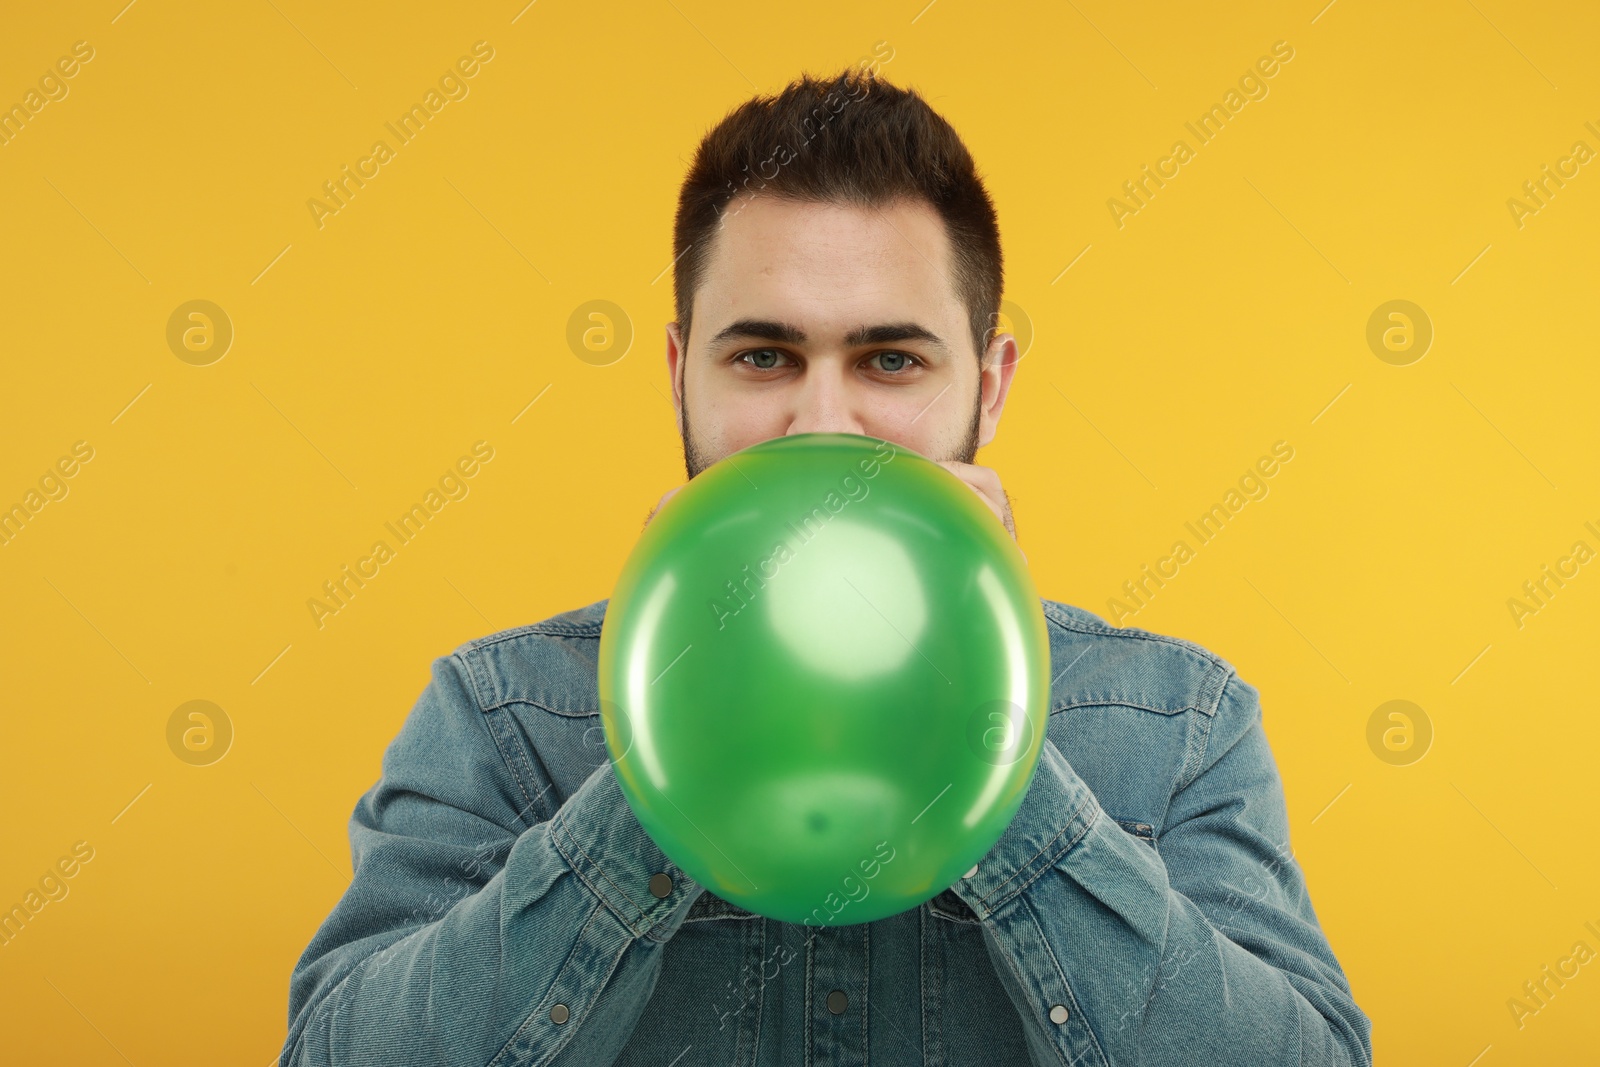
x=986, y=483
x=660, y=504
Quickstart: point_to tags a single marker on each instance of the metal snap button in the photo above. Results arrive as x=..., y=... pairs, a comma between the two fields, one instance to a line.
x=838, y=1002
x=1058, y=1014
x=559, y=1013
x=971, y=871
x=661, y=885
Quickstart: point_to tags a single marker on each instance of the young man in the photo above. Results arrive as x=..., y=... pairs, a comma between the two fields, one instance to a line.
x=838, y=269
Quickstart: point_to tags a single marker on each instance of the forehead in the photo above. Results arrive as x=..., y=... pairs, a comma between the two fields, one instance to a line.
x=827, y=264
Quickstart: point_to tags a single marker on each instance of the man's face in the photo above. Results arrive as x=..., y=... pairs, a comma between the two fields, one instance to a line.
x=833, y=318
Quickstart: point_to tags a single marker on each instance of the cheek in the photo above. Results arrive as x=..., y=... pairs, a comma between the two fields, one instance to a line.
x=723, y=423
x=934, y=427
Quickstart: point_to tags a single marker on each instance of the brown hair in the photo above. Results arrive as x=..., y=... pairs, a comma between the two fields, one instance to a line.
x=857, y=140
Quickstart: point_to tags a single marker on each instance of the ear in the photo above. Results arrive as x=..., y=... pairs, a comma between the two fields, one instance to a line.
x=676, y=365
x=999, y=364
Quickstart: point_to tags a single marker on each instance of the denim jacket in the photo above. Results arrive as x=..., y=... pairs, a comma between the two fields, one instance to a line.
x=1142, y=907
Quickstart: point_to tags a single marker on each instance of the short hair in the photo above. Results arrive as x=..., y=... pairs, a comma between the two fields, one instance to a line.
x=851, y=138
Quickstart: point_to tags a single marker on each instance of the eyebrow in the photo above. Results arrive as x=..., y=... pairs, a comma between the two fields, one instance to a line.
x=787, y=333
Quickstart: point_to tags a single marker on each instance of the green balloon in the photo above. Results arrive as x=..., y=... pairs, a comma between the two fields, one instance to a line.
x=824, y=676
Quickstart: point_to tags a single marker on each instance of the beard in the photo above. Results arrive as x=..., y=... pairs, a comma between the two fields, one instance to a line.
x=696, y=460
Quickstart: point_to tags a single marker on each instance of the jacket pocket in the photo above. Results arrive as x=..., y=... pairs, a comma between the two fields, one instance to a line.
x=710, y=906
x=946, y=905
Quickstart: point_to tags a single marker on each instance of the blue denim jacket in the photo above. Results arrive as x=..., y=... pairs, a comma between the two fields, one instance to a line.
x=1143, y=906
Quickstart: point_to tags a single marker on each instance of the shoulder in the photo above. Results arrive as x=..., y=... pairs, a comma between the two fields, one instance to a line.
x=551, y=664
x=1093, y=662
x=1125, y=697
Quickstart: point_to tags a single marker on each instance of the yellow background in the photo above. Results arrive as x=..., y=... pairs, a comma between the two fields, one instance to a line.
x=370, y=353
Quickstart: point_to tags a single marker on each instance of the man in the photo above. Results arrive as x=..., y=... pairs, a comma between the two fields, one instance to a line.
x=838, y=269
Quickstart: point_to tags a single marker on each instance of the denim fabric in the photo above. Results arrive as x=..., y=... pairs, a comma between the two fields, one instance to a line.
x=1143, y=906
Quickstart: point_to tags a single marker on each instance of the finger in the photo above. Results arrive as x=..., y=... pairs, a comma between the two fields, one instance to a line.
x=985, y=481
x=981, y=480
x=995, y=506
x=668, y=495
x=974, y=474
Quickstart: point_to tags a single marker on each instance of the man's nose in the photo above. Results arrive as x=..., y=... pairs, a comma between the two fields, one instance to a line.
x=825, y=402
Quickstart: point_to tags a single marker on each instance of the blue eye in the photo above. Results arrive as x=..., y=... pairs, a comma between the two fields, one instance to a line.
x=905, y=360
x=759, y=352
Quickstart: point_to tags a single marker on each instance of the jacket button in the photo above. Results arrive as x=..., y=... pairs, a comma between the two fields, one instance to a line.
x=661, y=885
x=558, y=1014
x=838, y=1002
x=1058, y=1014
x=971, y=871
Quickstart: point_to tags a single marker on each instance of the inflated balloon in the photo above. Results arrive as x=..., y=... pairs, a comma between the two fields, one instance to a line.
x=824, y=678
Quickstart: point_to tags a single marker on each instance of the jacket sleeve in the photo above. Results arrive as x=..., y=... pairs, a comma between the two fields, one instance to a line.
x=475, y=931
x=1203, y=949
